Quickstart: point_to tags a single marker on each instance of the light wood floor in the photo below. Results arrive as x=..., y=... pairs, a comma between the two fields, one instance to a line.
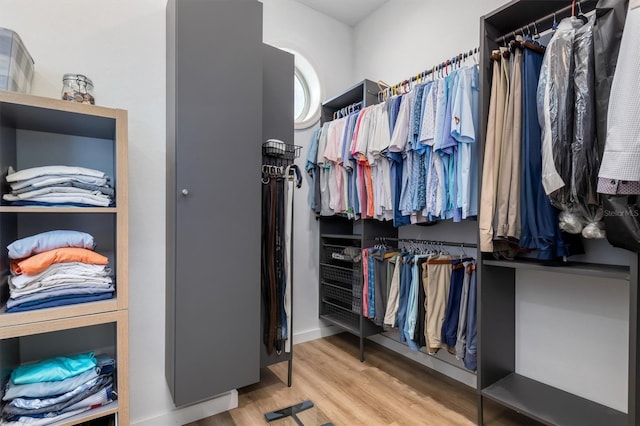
x=387, y=389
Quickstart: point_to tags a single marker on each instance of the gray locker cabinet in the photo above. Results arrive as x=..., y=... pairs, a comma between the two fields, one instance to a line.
x=214, y=135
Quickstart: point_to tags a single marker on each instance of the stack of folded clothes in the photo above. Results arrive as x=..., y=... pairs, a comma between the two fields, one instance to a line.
x=57, y=388
x=59, y=186
x=57, y=268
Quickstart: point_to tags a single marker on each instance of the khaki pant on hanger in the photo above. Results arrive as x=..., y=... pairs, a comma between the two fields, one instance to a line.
x=439, y=278
x=492, y=149
x=508, y=192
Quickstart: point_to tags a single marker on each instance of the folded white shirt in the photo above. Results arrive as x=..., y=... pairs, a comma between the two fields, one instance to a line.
x=48, y=180
x=45, y=293
x=53, y=198
x=36, y=287
x=33, y=172
x=55, y=190
x=72, y=268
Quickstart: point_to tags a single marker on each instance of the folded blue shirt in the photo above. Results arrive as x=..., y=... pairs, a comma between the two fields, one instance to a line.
x=60, y=301
x=50, y=240
x=52, y=369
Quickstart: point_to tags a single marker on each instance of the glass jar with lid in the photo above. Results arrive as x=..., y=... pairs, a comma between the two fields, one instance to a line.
x=78, y=88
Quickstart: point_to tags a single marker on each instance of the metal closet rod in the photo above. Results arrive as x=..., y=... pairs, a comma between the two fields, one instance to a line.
x=434, y=242
x=446, y=63
x=550, y=18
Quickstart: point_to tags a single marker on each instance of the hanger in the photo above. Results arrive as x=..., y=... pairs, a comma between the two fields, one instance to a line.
x=514, y=43
x=581, y=15
x=382, y=90
x=442, y=249
x=462, y=254
x=536, y=36
x=432, y=248
x=554, y=26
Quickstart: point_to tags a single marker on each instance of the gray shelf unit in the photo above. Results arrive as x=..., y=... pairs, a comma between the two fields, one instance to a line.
x=365, y=91
x=341, y=281
x=497, y=377
x=340, y=295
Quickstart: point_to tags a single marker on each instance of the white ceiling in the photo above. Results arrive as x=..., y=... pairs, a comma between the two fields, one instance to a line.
x=348, y=11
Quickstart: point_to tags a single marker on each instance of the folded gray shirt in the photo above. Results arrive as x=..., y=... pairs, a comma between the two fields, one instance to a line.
x=44, y=389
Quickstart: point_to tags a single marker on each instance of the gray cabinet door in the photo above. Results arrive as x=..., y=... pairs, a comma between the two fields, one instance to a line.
x=214, y=327
x=277, y=123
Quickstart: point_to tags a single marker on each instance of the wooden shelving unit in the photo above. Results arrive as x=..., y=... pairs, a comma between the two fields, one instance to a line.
x=37, y=131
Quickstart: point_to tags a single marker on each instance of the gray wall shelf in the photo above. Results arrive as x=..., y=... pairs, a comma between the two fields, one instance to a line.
x=550, y=405
x=574, y=268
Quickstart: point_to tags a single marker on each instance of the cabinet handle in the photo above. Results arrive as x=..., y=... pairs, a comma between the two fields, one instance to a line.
x=185, y=192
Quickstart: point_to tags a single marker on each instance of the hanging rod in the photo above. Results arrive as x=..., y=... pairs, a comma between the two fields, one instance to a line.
x=395, y=89
x=432, y=242
x=586, y=5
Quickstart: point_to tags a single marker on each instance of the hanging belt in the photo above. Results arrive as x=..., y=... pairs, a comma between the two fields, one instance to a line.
x=279, y=261
x=269, y=271
x=275, y=270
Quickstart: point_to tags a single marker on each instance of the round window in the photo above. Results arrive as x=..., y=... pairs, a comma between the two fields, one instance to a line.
x=306, y=84
x=301, y=97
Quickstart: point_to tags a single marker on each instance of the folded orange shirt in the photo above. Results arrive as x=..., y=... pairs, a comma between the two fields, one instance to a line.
x=38, y=263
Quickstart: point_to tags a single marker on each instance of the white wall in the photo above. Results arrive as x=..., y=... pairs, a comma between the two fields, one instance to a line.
x=573, y=334
x=405, y=37
x=120, y=44
x=571, y=331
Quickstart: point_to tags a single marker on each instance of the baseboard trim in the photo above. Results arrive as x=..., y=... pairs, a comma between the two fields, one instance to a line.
x=192, y=413
x=316, y=333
